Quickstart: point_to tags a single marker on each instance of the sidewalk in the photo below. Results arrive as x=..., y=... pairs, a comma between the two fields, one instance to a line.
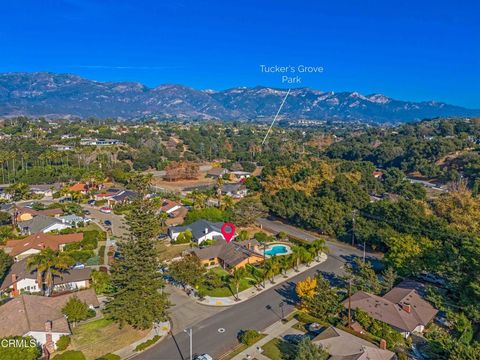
x=162, y=329
x=251, y=292
x=273, y=331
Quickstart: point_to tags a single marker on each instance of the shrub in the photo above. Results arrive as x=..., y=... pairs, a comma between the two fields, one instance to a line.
x=248, y=337
x=109, y=356
x=142, y=346
x=70, y=355
x=63, y=342
x=307, y=319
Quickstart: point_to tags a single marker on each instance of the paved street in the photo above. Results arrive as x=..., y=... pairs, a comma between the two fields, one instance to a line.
x=277, y=226
x=185, y=311
x=119, y=228
x=256, y=313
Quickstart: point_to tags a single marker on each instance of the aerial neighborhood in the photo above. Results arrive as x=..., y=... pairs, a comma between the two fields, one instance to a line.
x=116, y=248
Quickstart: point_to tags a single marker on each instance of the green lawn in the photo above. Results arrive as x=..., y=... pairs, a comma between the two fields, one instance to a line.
x=277, y=349
x=225, y=290
x=271, y=350
x=102, y=336
x=240, y=347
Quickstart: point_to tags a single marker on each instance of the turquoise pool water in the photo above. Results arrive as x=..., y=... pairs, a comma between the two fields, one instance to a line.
x=276, y=250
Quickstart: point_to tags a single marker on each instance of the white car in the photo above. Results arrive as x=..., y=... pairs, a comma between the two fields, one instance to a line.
x=203, y=357
x=106, y=210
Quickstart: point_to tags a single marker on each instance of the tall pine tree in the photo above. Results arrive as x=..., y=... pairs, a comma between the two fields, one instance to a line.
x=137, y=299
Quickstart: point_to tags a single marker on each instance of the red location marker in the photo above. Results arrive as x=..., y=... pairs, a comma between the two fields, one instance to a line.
x=228, y=230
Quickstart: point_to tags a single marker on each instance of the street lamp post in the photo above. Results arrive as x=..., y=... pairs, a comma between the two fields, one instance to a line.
x=264, y=262
x=190, y=335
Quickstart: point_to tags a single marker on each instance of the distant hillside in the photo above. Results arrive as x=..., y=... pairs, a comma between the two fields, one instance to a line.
x=48, y=94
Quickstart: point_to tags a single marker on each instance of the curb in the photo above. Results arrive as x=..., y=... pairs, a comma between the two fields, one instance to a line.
x=134, y=353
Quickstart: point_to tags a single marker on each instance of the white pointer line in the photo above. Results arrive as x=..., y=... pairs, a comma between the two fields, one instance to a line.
x=275, y=118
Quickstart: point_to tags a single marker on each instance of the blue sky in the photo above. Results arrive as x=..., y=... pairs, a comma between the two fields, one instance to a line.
x=410, y=50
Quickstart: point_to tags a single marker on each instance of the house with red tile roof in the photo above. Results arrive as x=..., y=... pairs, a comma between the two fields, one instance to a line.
x=33, y=244
x=80, y=187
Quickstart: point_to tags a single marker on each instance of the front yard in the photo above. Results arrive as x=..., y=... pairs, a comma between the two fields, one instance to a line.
x=99, y=337
x=223, y=289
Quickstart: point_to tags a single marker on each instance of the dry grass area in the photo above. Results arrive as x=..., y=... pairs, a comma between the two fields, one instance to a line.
x=168, y=252
x=182, y=184
x=103, y=336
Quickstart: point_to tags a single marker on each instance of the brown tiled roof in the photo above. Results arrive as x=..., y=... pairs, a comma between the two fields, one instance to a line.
x=342, y=345
x=40, y=241
x=30, y=312
x=231, y=254
x=169, y=204
x=392, y=308
x=78, y=187
x=21, y=271
x=179, y=217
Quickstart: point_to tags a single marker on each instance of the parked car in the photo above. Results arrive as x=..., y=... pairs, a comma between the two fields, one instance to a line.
x=91, y=202
x=106, y=209
x=108, y=222
x=86, y=212
x=203, y=357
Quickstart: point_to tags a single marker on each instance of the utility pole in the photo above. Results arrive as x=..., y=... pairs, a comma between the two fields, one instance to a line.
x=349, y=302
x=264, y=262
x=353, y=227
x=364, y=251
x=190, y=335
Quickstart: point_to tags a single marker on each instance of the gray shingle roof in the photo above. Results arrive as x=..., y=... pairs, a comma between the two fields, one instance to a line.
x=21, y=271
x=38, y=223
x=199, y=228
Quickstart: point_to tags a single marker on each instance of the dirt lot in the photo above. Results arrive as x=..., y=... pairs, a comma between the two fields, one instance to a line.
x=181, y=185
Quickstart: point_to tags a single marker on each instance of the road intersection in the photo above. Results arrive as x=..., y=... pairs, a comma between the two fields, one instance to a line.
x=256, y=313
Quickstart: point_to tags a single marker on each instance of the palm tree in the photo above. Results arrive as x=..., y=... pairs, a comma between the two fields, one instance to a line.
x=242, y=235
x=295, y=257
x=235, y=279
x=305, y=257
x=319, y=246
x=271, y=269
x=283, y=265
x=48, y=263
x=163, y=217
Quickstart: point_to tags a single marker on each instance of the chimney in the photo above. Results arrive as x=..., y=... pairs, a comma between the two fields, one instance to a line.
x=206, y=231
x=407, y=308
x=383, y=344
x=48, y=326
x=14, y=285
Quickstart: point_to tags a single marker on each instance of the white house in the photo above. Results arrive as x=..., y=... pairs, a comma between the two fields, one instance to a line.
x=20, y=279
x=41, y=223
x=201, y=230
x=170, y=206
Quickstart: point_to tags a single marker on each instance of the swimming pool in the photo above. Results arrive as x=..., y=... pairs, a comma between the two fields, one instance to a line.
x=277, y=250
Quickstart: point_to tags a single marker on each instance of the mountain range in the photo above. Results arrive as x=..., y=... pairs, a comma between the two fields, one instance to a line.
x=65, y=95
